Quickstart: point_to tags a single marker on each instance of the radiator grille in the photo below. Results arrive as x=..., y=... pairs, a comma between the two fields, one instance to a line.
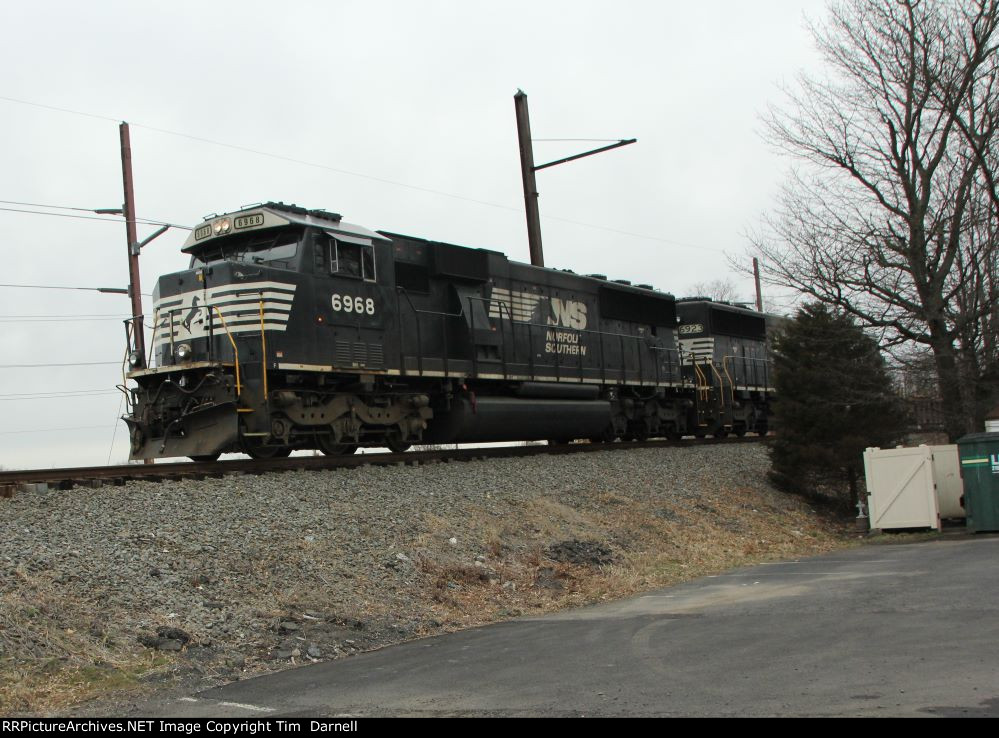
x=342, y=353
x=359, y=354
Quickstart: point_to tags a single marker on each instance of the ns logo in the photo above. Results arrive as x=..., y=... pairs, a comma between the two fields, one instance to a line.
x=567, y=313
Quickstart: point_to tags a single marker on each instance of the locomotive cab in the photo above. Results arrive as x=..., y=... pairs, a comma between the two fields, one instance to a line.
x=248, y=341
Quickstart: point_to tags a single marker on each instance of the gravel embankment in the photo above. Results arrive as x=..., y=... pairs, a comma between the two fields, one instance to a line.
x=120, y=587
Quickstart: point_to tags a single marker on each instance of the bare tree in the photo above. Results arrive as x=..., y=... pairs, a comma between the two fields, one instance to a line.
x=717, y=289
x=892, y=213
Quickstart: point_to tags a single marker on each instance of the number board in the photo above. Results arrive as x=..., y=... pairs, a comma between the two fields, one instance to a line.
x=248, y=221
x=203, y=232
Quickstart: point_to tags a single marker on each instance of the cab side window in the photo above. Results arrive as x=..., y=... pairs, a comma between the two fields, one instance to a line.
x=348, y=259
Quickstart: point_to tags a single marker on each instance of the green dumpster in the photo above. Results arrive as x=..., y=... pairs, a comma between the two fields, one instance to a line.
x=979, y=454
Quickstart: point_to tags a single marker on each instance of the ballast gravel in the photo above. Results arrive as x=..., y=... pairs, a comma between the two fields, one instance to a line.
x=221, y=577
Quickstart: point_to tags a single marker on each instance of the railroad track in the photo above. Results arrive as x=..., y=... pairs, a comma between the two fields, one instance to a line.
x=98, y=476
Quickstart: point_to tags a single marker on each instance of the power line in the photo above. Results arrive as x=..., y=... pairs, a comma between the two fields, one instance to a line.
x=54, y=430
x=59, y=319
x=62, y=215
x=151, y=221
x=114, y=435
x=383, y=180
x=67, y=396
x=57, y=392
x=61, y=287
x=42, y=205
x=74, y=315
x=140, y=221
x=79, y=363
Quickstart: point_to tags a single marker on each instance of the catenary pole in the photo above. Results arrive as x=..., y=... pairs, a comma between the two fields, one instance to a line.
x=530, y=183
x=756, y=276
x=528, y=169
x=134, y=287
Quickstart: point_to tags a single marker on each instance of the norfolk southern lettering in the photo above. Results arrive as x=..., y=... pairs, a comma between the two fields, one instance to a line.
x=564, y=342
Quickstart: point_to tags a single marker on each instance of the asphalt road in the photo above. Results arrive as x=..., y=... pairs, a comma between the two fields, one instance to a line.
x=907, y=630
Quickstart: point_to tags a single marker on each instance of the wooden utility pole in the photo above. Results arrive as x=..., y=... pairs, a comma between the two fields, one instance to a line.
x=528, y=168
x=134, y=287
x=756, y=276
x=530, y=183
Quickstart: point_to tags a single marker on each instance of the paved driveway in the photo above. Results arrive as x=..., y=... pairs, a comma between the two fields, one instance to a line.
x=881, y=630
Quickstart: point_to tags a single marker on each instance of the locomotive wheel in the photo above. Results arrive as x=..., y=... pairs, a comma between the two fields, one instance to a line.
x=206, y=458
x=329, y=447
x=338, y=449
x=395, y=444
x=266, y=452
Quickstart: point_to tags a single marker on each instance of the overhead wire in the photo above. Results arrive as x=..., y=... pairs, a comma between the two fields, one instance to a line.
x=62, y=287
x=138, y=220
x=65, y=396
x=58, y=318
x=383, y=180
x=54, y=430
x=46, y=366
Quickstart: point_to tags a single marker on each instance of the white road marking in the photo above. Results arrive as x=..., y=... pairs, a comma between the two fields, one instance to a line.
x=242, y=706
x=237, y=705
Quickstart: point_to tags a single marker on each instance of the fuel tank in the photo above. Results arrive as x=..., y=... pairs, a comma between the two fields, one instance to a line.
x=487, y=419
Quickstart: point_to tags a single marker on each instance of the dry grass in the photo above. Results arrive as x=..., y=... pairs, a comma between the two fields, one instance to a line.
x=656, y=545
x=56, y=652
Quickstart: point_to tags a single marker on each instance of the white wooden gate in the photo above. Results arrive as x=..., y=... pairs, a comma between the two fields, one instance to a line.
x=900, y=488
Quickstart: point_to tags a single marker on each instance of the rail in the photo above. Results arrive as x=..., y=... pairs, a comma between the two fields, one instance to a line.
x=66, y=478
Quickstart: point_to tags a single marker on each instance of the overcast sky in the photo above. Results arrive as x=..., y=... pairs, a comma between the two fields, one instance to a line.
x=399, y=115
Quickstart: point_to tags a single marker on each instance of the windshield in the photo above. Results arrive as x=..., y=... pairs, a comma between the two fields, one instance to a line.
x=276, y=248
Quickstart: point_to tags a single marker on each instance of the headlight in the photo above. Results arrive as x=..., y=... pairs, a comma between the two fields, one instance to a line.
x=184, y=352
x=135, y=359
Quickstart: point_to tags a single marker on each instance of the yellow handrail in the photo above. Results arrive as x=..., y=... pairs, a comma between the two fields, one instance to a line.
x=235, y=351
x=263, y=346
x=721, y=379
x=703, y=386
x=729, y=374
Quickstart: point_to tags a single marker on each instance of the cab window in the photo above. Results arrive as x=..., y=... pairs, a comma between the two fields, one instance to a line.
x=350, y=258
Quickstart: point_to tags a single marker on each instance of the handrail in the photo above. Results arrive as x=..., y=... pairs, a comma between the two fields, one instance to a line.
x=641, y=339
x=263, y=346
x=235, y=351
x=721, y=379
x=419, y=338
x=755, y=363
x=232, y=341
x=675, y=373
x=731, y=383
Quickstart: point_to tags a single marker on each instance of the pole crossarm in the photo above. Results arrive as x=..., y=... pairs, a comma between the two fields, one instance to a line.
x=136, y=248
x=622, y=142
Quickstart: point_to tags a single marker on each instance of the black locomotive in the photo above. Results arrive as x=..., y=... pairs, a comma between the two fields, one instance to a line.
x=293, y=329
